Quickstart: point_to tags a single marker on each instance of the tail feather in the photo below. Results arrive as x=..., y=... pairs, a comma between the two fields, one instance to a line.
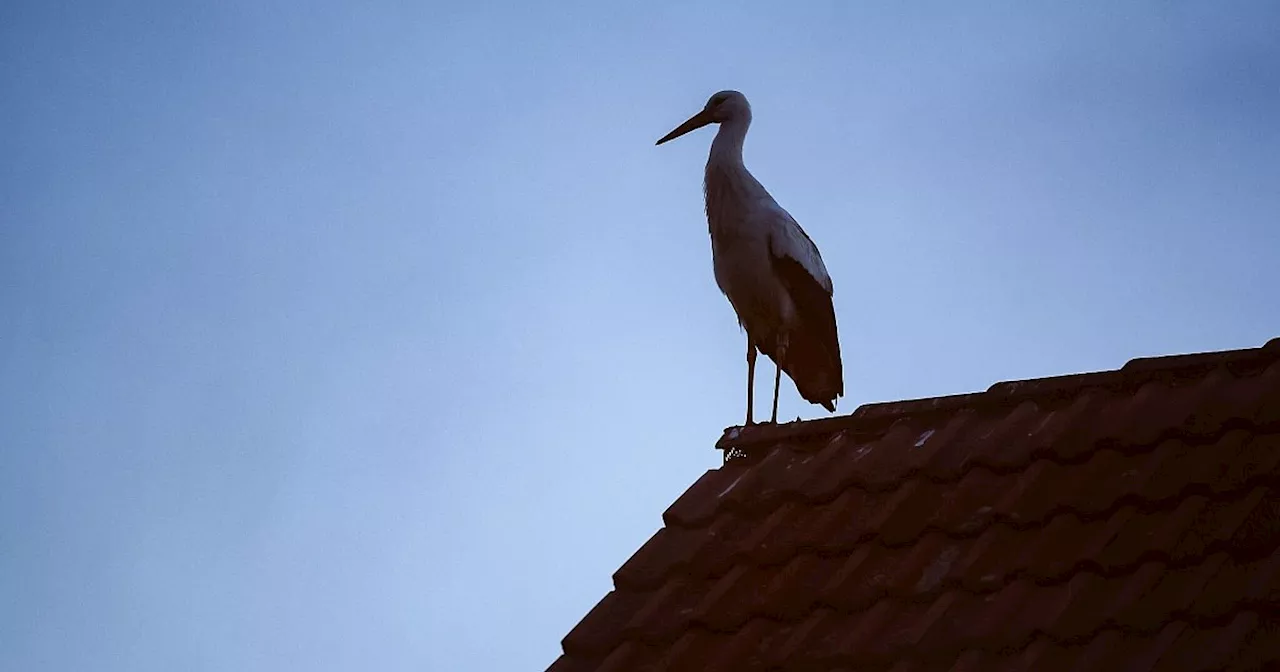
x=813, y=363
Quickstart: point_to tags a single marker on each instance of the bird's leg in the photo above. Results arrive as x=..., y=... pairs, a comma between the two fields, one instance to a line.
x=781, y=347
x=751, y=376
x=777, y=378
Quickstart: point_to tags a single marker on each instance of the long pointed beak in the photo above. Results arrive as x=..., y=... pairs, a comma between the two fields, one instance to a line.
x=696, y=121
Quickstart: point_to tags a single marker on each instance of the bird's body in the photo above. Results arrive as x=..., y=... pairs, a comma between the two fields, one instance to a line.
x=766, y=265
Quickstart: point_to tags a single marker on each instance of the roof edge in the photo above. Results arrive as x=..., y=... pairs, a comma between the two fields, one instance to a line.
x=877, y=416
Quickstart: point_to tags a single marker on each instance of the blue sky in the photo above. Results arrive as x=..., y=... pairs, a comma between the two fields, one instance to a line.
x=378, y=335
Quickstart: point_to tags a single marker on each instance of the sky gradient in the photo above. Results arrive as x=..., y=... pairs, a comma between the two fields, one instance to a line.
x=379, y=335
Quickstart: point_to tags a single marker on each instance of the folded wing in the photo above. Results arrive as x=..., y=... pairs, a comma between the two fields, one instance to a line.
x=812, y=355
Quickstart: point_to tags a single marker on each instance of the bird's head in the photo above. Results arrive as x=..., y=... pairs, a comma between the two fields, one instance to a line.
x=722, y=107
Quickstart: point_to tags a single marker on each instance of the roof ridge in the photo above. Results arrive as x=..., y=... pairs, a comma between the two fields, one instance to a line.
x=873, y=418
x=893, y=484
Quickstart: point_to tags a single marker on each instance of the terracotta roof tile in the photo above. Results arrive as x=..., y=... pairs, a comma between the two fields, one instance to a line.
x=1119, y=520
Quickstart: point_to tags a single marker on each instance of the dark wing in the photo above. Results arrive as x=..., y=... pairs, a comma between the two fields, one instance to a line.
x=812, y=358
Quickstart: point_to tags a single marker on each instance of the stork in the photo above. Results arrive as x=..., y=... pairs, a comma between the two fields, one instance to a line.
x=766, y=265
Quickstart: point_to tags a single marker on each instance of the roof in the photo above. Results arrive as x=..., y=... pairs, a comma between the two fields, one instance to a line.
x=1127, y=519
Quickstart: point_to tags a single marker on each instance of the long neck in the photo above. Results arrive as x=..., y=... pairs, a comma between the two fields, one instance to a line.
x=727, y=147
x=728, y=186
